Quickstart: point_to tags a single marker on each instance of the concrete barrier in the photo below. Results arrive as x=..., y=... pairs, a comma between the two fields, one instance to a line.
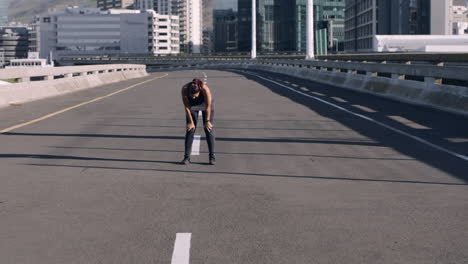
x=87, y=77
x=428, y=93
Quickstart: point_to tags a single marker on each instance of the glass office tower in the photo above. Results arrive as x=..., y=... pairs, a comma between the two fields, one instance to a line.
x=281, y=24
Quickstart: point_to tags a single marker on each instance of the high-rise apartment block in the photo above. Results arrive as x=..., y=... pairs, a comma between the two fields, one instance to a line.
x=163, y=7
x=191, y=26
x=108, y=4
x=90, y=31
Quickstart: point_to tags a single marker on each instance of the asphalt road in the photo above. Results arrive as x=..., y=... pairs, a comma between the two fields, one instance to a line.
x=321, y=176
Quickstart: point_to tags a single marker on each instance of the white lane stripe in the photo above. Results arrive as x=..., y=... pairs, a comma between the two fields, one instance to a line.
x=196, y=145
x=423, y=141
x=206, y=78
x=196, y=140
x=181, y=254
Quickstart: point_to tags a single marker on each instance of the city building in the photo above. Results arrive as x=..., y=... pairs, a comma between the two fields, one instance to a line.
x=459, y=20
x=244, y=9
x=366, y=18
x=109, y=4
x=14, y=43
x=225, y=30
x=33, y=60
x=421, y=43
x=191, y=26
x=163, y=7
x=449, y=17
x=4, y=6
x=34, y=34
x=90, y=31
x=281, y=24
x=329, y=16
x=276, y=20
x=208, y=34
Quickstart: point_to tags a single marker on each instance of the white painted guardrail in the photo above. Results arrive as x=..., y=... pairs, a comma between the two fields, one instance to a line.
x=51, y=73
x=29, y=84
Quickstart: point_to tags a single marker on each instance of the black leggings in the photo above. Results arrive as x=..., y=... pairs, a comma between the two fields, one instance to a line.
x=210, y=137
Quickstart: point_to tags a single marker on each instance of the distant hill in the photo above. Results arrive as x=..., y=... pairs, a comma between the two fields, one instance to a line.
x=25, y=10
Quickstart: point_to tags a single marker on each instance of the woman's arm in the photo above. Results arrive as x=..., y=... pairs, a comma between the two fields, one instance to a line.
x=208, y=99
x=191, y=124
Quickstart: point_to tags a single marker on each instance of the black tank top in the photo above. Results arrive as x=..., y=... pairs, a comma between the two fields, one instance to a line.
x=197, y=103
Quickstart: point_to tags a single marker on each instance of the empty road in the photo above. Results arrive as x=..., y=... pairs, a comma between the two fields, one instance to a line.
x=305, y=173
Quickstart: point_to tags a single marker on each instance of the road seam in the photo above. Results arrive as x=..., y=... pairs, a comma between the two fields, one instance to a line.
x=76, y=106
x=420, y=140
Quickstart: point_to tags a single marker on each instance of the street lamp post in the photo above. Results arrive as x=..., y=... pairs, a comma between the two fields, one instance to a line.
x=254, y=30
x=310, y=30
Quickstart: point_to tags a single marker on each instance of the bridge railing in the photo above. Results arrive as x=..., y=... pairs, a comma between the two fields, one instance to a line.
x=429, y=73
x=50, y=73
x=438, y=74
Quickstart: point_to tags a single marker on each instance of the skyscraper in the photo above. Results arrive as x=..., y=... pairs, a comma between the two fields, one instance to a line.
x=225, y=30
x=108, y=4
x=4, y=5
x=191, y=26
x=244, y=8
x=281, y=25
x=366, y=18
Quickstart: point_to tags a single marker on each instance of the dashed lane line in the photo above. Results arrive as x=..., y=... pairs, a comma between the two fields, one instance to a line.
x=420, y=140
x=181, y=253
x=78, y=105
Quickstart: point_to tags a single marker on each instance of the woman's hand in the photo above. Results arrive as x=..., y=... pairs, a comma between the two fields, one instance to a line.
x=208, y=126
x=190, y=126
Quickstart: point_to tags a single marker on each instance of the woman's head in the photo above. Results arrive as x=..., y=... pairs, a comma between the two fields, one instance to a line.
x=196, y=86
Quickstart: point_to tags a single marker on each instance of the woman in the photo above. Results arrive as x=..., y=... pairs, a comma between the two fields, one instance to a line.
x=196, y=97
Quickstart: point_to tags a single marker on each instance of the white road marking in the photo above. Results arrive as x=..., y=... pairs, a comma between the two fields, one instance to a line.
x=408, y=122
x=196, y=145
x=197, y=139
x=420, y=140
x=318, y=94
x=181, y=253
x=205, y=78
x=341, y=100
x=365, y=108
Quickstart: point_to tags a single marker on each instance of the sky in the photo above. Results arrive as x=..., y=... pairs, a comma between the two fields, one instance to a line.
x=224, y=4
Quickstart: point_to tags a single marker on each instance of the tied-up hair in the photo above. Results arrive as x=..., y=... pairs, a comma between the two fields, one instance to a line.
x=196, y=86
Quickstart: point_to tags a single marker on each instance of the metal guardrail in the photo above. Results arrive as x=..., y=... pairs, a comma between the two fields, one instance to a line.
x=51, y=73
x=438, y=74
x=393, y=70
x=428, y=58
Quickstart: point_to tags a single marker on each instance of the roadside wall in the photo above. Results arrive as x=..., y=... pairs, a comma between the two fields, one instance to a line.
x=448, y=98
x=24, y=92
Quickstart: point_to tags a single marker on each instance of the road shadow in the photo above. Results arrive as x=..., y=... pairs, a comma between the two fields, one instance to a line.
x=238, y=153
x=438, y=130
x=343, y=141
x=79, y=158
x=218, y=173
